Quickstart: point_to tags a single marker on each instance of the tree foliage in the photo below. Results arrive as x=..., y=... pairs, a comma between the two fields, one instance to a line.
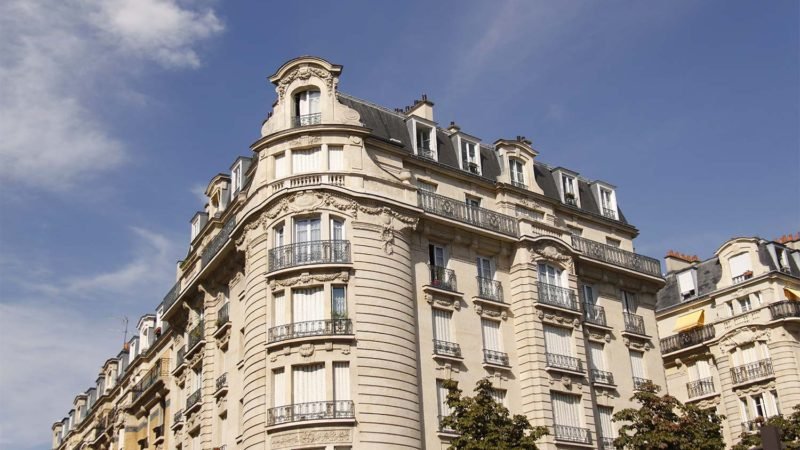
x=789, y=428
x=483, y=424
x=663, y=422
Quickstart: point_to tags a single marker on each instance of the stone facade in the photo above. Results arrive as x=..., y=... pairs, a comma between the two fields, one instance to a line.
x=730, y=329
x=360, y=257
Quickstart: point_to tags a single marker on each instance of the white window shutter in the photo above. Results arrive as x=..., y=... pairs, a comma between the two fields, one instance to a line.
x=341, y=381
x=491, y=335
x=441, y=325
x=739, y=264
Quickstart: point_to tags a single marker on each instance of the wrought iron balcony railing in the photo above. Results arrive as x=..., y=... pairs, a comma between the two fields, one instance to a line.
x=687, y=338
x=743, y=277
x=426, y=152
x=700, y=387
x=489, y=289
x=784, y=309
x=178, y=416
x=558, y=296
x=564, y=362
x=195, y=336
x=752, y=371
x=193, y=399
x=299, y=412
x=606, y=443
x=180, y=357
x=443, y=278
x=158, y=372
x=309, y=252
x=634, y=323
x=223, y=314
x=610, y=213
x=219, y=240
x=222, y=381
x=445, y=348
x=601, y=376
x=331, y=327
x=495, y=357
x=594, y=314
x=638, y=382
x=172, y=295
x=307, y=119
x=617, y=256
x=472, y=215
x=572, y=434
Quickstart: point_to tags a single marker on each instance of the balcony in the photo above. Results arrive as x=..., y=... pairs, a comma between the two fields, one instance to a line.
x=332, y=327
x=177, y=419
x=785, y=309
x=154, y=376
x=638, y=383
x=564, y=362
x=594, y=314
x=445, y=429
x=687, y=339
x=519, y=184
x=495, y=358
x=634, y=323
x=324, y=410
x=426, y=152
x=606, y=443
x=489, y=289
x=601, y=376
x=610, y=213
x=307, y=119
x=180, y=361
x=196, y=338
x=742, y=278
x=701, y=387
x=223, y=315
x=172, y=295
x=572, y=434
x=444, y=348
x=443, y=278
x=193, y=402
x=471, y=215
x=752, y=371
x=616, y=256
x=553, y=295
x=219, y=240
x=310, y=252
x=221, y=384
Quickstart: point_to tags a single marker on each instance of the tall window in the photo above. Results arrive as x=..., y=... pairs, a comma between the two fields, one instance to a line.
x=597, y=358
x=307, y=231
x=441, y=399
x=604, y=415
x=308, y=387
x=307, y=306
x=442, y=325
x=236, y=179
x=306, y=105
x=629, y=302
x=686, y=284
x=637, y=365
x=197, y=379
x=588, y=295
x=335, y=158
x=569, y=189
x=549, y=274
x=469, y=157
x=341, y=381
x=306, y=160
x=279, y=308
x=699, y=370
x=566, y=410
x=499, y=396
x=558, y=340
x=424, y=141
x=437, y=255
x=485, y=269
x=517, y=172
x=607, y=203
x=279, y=387
x=740, y=265
x=338, y=302
x=281, y=170
x=491, y=335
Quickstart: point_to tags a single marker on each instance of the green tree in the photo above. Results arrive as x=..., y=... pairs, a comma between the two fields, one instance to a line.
x=788, y=426
x=663, y=422
x=484, y=424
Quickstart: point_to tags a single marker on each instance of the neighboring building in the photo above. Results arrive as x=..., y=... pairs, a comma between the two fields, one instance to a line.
x=362, y=256
x=730, y=330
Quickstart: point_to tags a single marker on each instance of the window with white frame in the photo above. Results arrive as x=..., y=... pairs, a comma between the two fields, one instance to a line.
x=308, y=306
x=629, y=304
x=307, y=233
x=441, y=399
x=597, y=358
x=637, y=366
x=490, y=329
x=517, y=171
x=470, y=157
x=307, y=160
x=569, y=189
x=424, y=186
x=279, y=388
x=279, y=309
x=566, y=410
x=740, y=266
x=750, y=353
x=604, y=416
x=338, y=302
x=699, y=370
x=309, y=388
x=281, y=166
x=550, y=275
x=608, y=204
x=687, y=284
x=306, y=108
x=437, y=255
x=498, y=395
x=341, y=383
x=442, y=325
x=424, y=140
x=588, y=295
x=198, y=222
x=558, y=340
x=237, y=178
x=197, y=378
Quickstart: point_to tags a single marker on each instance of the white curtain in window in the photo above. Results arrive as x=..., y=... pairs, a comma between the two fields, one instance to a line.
x=339, y=301
x=566, y=409
x=279, y=309
x=337, y=230
x=686, y=280
x=749, y=354
x=306, y=160
x=491, y=335
x=485, y=268
x=341, y=381
x=308, y=304
x=281, y=170
x=739, y=264
x=335, y=158
x=604, y=414
x=441, y=325
x=441, y=397
x=629, y=302
x=596, y=358
x=499, y=396
x=279, y=388
x=772, y=404
x=743, y=409
x=637, y=364
x=306, y=230
x=558, y=340
x=763, y=350
x=549, y=274
x=308, y=383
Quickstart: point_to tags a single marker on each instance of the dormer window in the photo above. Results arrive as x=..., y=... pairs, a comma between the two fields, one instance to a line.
x=236, y=179
x=740, y=267
x=198, y=222
x=687, y=284
x=423, y=141
x=516, y=168
x=569, y=189
x=470, y=157
x=306, y=108
x=608, y=204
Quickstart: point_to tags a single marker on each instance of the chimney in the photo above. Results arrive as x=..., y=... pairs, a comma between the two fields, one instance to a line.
x=677, y=261
x=453, y=128
x=422, y=108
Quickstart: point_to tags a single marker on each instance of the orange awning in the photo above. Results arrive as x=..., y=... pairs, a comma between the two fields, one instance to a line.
x=792, y=294
x=691, y=320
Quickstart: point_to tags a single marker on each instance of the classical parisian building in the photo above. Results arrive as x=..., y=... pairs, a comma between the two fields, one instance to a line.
x=359, y=257
x=730, y=328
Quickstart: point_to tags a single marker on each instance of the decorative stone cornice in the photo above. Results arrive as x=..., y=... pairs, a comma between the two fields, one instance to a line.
x=308, y=278
x=305, y=72
x=744, y=335
x=490, y=312
x=552, y=252
x=559, y=319
x=443, y=302
x=310, y=437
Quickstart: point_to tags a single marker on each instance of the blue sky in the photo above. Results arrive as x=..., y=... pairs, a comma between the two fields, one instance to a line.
x=115, y=113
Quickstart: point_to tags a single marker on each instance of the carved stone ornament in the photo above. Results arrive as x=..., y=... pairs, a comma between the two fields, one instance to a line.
x=755, y=388
x=744, y=335
x=557, y=318
x=443, y=302
x=307, y=278
x=309, y=437
x=550, y=252
x=235, y=280
x=447, y=370
x=306, y=350
x=305, y=72
x=636, y=345
x=305, y=140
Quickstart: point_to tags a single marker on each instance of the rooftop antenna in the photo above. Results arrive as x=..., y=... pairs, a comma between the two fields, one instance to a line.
x=125, y=331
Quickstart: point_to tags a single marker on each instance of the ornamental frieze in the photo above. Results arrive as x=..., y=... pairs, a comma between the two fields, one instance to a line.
x=306, y=437
x=308, y=278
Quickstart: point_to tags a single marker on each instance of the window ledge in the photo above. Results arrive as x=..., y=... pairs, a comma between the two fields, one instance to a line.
x=315, y=338
x=489, y=302
x=604, y=385
x=577, y=312
x=753, y=381
x=703, y=397
x=567, y=371
x=496, y=366
x=437, y=290
x=634, y=334
x=448, y=357
x=310, y=423
x=306, y=266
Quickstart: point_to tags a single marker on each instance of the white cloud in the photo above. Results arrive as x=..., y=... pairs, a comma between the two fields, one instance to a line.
x=55, y=60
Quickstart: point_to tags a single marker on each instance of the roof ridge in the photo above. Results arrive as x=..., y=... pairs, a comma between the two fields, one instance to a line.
x=370, y=104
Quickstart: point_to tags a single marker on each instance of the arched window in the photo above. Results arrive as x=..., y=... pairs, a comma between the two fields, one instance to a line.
x=306, y=108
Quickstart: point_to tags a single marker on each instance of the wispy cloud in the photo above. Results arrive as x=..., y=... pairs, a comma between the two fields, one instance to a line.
x=54, y=59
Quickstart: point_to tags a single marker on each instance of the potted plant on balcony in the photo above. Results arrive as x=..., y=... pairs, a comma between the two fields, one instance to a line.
x=748, y=274
x=158, y=332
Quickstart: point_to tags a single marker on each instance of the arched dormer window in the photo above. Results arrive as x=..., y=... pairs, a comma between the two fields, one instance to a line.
x=516, y=170
x=306, y=108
